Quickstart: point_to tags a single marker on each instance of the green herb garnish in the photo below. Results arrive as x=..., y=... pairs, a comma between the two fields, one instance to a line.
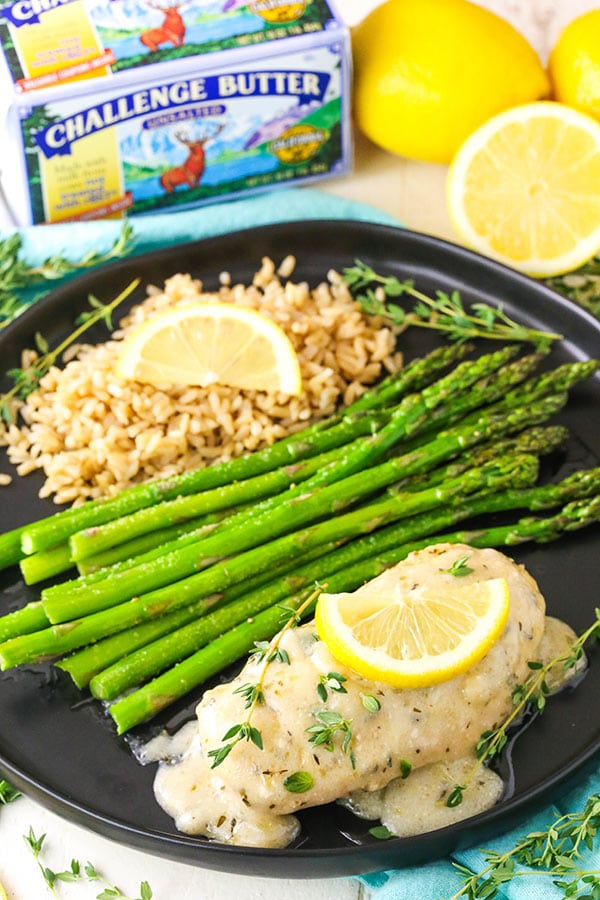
x=299, y=782
x=444, y=312
x=77, y=872
x=16, y=274
x=26, y=380
x=554, y=852
x=460, y=567
x=328, y=724
x=333, y=681
x=532, y=692
x=8, y=794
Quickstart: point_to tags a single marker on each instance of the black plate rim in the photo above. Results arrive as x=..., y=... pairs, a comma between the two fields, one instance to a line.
x=174, y=846
x=86, y=279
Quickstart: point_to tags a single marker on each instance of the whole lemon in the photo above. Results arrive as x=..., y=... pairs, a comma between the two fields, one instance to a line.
x=574, y=64
x=428, y=72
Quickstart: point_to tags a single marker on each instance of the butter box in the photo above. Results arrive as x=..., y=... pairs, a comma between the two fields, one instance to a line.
x=196, y=116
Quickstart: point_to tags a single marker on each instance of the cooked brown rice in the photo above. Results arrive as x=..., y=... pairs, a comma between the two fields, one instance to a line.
x=93, y=433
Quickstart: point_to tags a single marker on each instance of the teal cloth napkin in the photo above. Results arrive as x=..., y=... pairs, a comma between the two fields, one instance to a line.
x=438, y=880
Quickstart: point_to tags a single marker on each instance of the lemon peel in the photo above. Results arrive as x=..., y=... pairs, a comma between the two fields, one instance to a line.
x=428, y=72
x=574, y=64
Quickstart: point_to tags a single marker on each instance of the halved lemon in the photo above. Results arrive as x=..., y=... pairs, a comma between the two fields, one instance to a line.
x=416, y=638
x=211, y=343
x=3, y=894
x=524, y=188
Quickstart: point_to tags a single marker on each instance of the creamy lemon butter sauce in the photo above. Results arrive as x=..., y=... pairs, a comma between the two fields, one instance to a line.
x=244, y=801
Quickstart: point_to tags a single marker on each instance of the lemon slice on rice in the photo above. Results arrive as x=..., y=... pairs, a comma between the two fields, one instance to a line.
x=211, y=343
x=417, y=638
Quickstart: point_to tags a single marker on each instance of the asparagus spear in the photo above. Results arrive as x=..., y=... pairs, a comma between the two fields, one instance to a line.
x=62, y=638
x=147, y=701
x=69, y=600
x=113, y=533
x=23, y=621
x=406, y=418
x=537, y=440
x=84, y=664
x=128, y=670
x=540, y=441
x=205, y=508
x=44, y=564
x=345, y=426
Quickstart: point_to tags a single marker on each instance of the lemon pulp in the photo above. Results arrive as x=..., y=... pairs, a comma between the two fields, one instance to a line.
x=211, y=343
x=413, y=639
x=525, y=188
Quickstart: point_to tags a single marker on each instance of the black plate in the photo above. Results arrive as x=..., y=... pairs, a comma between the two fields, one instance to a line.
x=59, y=747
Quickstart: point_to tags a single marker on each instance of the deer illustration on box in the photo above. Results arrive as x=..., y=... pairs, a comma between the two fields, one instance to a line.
x=172, y=29
x=190, y=172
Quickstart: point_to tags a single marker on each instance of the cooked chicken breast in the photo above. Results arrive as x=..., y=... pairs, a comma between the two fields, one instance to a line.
x=245, y=799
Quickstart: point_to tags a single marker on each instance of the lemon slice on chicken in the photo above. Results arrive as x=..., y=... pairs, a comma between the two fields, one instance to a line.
x=413, y=638
x=211, y=343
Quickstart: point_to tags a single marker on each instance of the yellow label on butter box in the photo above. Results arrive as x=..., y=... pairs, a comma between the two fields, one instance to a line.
x=49, y=42
x=64, y=46
x=88, y=184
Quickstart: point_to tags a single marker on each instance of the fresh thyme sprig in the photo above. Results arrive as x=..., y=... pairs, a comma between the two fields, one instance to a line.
x=554, y=852
x=532, y=692
x=444, y=312
x=253, y=693
x=16, y=273
x=8, y=793
x=77, y=872
x=25, y=380
x=328, y=724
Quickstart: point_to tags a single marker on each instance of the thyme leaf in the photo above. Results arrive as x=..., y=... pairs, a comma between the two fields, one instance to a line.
x=381, y=832
x=298, y=782
x=332, y=681
x=370, y=702
x=460, y=567
x=405, y=768
x=328, y=724
x=8, y=794
x=26, y=380
x=444, y=312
